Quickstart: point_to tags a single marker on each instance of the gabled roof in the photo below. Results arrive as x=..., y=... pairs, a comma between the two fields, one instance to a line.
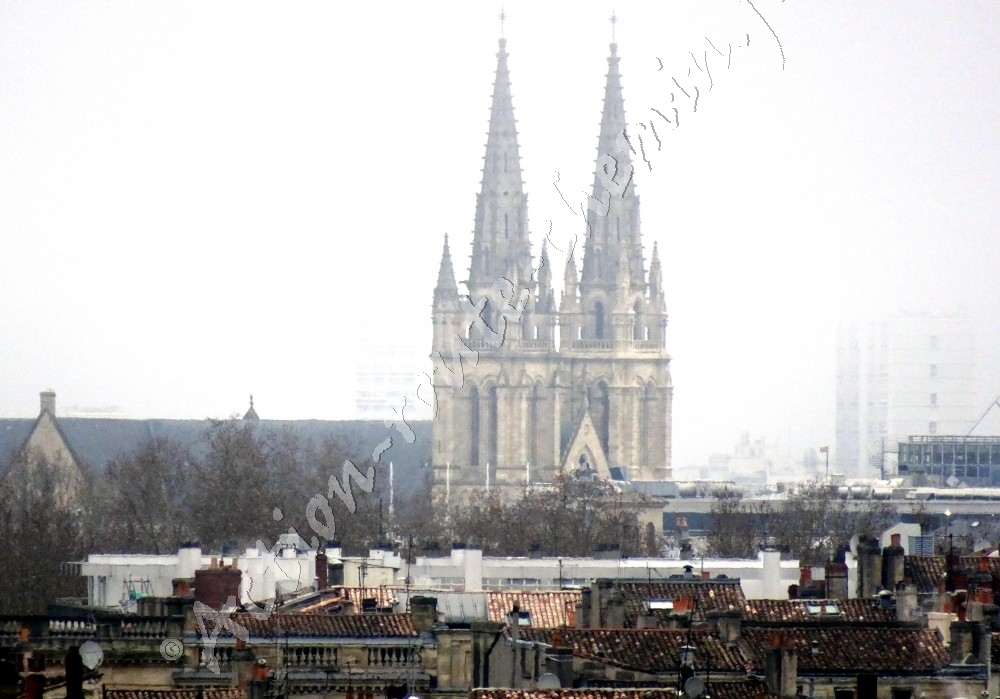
x=325, y=626
x=645, y=650
x=96, y=441
x=547, y=609
x=850, y=650
x=799, y=611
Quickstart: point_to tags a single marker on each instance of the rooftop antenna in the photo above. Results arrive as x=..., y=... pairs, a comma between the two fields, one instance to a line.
x=614, y=20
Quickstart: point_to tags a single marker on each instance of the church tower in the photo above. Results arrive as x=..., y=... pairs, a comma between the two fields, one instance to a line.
x=526, y=389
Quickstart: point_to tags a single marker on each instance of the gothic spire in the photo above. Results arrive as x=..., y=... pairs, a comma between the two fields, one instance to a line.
x=569, y=282
x=500, y=237
x=614, y=225
x=446, y=291
x=545, y=293
x=655, y=273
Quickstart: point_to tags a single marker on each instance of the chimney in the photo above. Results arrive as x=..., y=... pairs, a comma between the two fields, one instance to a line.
x=836, y=576
x=869, y=567
x=969, y=638
x=215, y=586
x=892, y=563
x=242, y=662
x=423, y=611
x=726, y=623
x=781, y=673
x=906, y=601
x=583, y=611
x=559, y=662
x=322, y=572
x=48, y=402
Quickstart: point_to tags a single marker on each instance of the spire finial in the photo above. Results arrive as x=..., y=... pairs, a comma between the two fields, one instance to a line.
x=503, y=16
x=614, y=20
x=251, y=400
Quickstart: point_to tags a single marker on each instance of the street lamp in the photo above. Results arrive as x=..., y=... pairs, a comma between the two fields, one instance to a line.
x=826, y=452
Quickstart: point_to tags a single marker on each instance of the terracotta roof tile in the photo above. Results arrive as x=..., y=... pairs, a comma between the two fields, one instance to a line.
x=709, y=595
x=644, y=650
x=797, y=611
x=747, y=689
x=548, y=609
x=207, y=693
x=926, y=571
x=846, y=649
x=325, y=625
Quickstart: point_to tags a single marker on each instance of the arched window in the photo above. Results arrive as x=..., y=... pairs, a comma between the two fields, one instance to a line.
x=638, y=323
x=491, y=427
x=600, y=412
x=534, y=424
x=598, y=320
x=646, y=433
x=474, y=430
x=506, y=223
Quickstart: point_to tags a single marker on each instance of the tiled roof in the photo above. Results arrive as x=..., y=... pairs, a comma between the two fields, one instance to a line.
x=797, y=611
x=645, y=650
x=845, y=649
x=926, y=571
x=385, y=598
x=325, y=625
x=206, y=693
x=747, y=689
x=707, y=595
x=548, y=609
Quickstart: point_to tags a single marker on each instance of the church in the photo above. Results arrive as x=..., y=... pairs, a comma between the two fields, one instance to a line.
x=526, y=385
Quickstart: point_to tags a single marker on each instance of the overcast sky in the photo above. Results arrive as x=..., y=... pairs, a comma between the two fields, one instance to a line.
x=203, y=200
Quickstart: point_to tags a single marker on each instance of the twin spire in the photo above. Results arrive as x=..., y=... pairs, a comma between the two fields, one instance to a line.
x=501, y=246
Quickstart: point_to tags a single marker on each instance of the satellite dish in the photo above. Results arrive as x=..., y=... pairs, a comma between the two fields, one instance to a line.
x=92, y=654
x=549, y=681
x=694, y=687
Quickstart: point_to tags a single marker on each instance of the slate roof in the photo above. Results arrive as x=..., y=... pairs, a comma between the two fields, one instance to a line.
x=796, y=611
x=206, y=693
x=708, y=595
x=323, y=626
x=96, y=441
x=643, y=650
x=850, y=650
x=548, y=609
x=747, y=689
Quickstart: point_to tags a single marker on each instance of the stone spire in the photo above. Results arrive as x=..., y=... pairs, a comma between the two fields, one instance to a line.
x=500, y=237
x=446, y=291
x=655, y=274
x=614, y=225
x=569, y=282
x=546, y=295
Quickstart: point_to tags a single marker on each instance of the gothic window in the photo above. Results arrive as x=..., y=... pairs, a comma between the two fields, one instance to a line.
x=535, y=333
x=600, y=413
x=506, y=223
x=534, y=424
x=646, y=424
x=638, y=323
x=474, y=426
x=491, y=427
x=598, y=320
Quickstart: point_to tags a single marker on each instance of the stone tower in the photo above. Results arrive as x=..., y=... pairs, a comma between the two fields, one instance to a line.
x=524, y=388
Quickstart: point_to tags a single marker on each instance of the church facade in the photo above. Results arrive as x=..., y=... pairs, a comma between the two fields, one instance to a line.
x=527, y=385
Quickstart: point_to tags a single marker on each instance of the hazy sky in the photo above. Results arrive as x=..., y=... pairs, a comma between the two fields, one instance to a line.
x=203, y=200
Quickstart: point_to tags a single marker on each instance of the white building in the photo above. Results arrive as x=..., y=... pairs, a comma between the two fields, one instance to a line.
x=765, y=577
x=909, y=374
x=117, y=580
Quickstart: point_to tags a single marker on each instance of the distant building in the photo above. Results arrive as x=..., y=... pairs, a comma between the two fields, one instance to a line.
x=954, y=462
x=386, y=379
x=909, y=374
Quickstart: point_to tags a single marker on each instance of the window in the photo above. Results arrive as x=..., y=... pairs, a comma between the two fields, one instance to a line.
x=933, y=370
x=933, y=400
x=652, y=604
x=932, y=427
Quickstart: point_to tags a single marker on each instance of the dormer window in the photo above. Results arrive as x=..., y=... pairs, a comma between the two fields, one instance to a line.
x=824, y=609
x=659, y=604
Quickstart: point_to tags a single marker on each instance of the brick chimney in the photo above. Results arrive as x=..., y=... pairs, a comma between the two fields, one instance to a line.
x=892, y=563
x=48, y=402
x=836, y=576
x=781, y=673
x=423, y=611
x=322, y=572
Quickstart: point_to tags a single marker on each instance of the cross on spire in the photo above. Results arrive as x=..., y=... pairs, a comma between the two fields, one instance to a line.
x=503, y=16
x=614, y=20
